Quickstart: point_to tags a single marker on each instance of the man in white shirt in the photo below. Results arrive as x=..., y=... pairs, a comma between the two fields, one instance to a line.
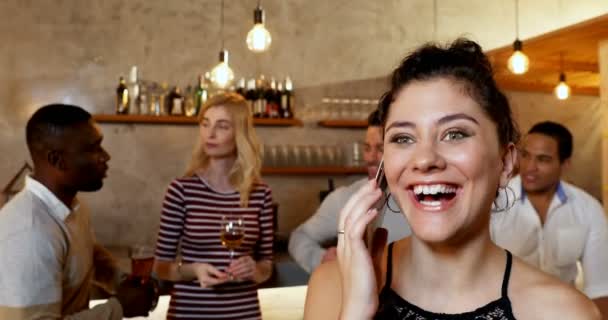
x=552, y=224
x=305, y=242
x=48, y=253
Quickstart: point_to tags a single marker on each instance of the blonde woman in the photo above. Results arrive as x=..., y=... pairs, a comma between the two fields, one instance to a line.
x=222, y=179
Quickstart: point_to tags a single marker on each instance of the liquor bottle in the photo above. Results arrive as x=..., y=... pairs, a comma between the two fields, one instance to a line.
x=240, y=87
x=142, y=100
x=260, y=99
x=133, y=87
x=287, y=99
x=188, y=99
x=272, y=100
x=201, y=95
x=163, y=98
x=122, y=97
x=176, y=102
x=250, y=96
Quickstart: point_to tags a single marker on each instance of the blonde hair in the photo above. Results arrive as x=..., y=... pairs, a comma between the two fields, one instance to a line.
x=246, y=169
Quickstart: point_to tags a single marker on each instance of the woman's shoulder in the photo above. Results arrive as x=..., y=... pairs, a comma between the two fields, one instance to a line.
x=260, y=186
x=324, y=293
x=537, y=295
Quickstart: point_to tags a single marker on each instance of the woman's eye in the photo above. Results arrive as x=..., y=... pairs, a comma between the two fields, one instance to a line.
x=455, y=135
x=402, y=140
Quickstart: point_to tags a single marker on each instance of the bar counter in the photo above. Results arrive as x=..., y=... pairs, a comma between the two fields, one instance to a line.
x=285, y=303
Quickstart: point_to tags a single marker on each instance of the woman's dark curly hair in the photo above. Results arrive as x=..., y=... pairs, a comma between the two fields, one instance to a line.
x=464, y=62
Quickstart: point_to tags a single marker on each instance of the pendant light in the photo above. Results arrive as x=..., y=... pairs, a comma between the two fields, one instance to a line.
x=518, y=62
x=221, y=74
x=258, y=38
x=562, y=90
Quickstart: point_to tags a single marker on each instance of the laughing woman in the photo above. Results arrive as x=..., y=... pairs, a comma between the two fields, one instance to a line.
x=448, y=150
x=223, y=180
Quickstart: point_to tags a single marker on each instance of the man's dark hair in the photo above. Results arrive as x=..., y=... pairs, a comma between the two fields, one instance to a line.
x=560, y=133
x=50, y=122
x=374, y=119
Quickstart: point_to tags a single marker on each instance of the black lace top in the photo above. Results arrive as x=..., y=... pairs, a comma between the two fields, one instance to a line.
x=394, y=307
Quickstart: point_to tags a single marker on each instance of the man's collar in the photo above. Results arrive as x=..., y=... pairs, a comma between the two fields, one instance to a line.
x=560, y=192
x=57, y=208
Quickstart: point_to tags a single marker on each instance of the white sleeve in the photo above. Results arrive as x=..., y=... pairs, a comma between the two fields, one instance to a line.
x=31, y=276
x=595, y=255
x=305, y=241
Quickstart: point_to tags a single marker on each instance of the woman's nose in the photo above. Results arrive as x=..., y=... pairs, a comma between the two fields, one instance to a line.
x=426, y=158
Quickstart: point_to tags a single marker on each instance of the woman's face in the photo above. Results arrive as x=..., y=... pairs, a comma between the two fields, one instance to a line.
x=217, y=133
x=442, y=159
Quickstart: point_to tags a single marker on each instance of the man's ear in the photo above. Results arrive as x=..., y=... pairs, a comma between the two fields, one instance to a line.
x=566, y=165
x=509, y=161
x=55, y=159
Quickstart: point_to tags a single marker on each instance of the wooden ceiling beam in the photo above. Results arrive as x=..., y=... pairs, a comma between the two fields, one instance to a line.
x=519, y=85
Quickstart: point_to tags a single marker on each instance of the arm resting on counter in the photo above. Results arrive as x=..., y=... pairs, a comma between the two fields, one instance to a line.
x=107, y=273
x=170, y=271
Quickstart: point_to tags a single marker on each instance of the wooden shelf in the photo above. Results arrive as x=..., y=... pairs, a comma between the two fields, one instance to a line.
x=356, y=124
x=313, y=170
x=182, y=120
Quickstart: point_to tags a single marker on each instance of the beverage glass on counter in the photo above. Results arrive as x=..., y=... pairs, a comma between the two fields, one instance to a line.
x=232, y=233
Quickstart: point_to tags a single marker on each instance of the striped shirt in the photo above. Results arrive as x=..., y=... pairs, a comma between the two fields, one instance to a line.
x=190, y=223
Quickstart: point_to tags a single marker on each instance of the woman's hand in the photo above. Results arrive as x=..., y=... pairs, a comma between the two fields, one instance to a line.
x=208, y=275
x=359, y=286
x=242, y=268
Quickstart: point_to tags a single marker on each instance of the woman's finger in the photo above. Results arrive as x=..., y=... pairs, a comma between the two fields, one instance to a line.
x=366, y=202
x=353, y=201
x=214, y=272
x=359, y=227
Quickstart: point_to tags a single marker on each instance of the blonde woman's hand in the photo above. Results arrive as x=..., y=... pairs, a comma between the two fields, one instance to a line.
x=359, y=285
x=242, y=268
x=208, y=275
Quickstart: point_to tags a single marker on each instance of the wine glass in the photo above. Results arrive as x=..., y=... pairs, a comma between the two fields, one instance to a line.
x=232, y=233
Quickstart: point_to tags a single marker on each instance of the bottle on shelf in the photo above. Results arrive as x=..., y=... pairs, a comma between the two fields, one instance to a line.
x=122, y=97
x=143, y=100
x=272, y=100
x=240, y=87
x=163, y=99
x=133, y=87
x=188, y=100
x=260, y=99
x=176, y=102
x=250, y=96
x=287, y=99
x=201, y=95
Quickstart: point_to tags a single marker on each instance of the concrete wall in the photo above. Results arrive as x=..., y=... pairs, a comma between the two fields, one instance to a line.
x=74, y=50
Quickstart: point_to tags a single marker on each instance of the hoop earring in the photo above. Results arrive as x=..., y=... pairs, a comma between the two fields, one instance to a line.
x=508, y=204
x=387, y=204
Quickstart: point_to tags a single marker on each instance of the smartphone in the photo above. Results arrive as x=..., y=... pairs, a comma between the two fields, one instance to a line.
x=379, y=205
x=381, y=178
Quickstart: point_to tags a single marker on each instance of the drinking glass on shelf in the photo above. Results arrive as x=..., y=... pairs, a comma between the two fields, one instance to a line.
x=232, y=233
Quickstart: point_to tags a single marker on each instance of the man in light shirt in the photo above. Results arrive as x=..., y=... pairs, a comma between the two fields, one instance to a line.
x=48, y=254
x=305, y=242
x=552, y=224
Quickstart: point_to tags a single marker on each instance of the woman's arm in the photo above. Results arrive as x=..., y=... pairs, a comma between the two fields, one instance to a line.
x=206, y=274
x=324, y=294
x=263, y=271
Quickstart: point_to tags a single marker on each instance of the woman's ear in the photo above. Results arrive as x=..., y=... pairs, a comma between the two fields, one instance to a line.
x=509, y=162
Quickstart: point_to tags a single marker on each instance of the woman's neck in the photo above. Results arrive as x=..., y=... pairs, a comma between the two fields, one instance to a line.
x=468, y=274
x=217, y=173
